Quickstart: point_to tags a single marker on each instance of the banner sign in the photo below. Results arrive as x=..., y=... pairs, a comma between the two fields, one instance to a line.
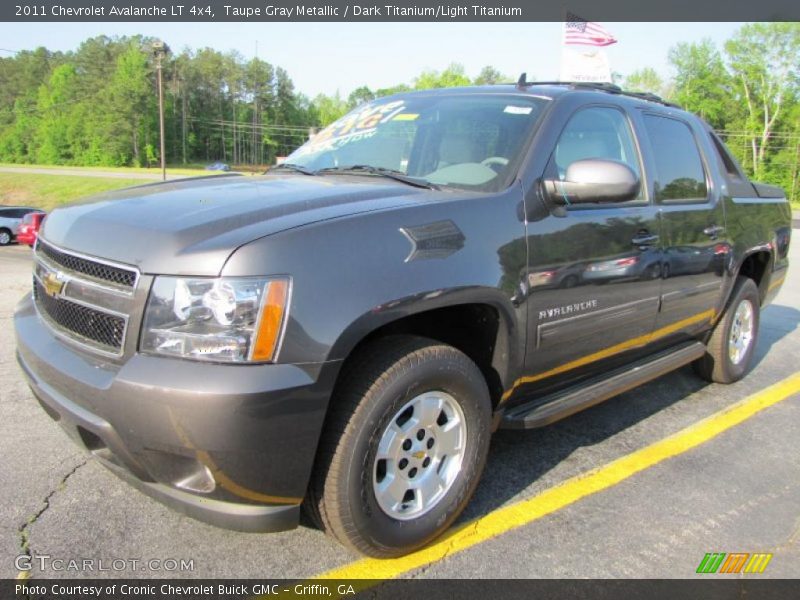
x=429, y=589
x=584, y=64
x=32, y=11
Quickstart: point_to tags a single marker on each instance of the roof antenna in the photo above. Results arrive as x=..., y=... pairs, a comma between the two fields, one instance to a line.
x=522, y=81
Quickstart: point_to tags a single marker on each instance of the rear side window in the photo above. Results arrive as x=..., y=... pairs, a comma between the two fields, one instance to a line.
x=680, y=176
x=18, y=213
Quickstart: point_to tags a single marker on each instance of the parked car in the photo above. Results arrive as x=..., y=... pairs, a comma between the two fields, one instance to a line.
x=346, y=331
x=565, y=275
x=218, y=166
x=642, y=264
x=28, y=229
x=10, y=220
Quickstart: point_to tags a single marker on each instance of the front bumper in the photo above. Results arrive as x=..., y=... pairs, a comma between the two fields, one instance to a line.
x=231, y=445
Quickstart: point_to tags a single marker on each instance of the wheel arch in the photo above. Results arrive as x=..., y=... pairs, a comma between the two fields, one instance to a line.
x=756, y=264
x=484, y=327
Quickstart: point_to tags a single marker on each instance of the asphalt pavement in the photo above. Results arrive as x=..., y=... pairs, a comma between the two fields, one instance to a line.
x=737, y=492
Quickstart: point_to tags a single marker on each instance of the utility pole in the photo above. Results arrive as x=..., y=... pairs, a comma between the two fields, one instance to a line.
x=160, y=49
x=795, y=173
x=254, y=143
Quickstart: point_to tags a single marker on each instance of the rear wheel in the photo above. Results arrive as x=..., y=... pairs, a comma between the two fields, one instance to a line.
x=404, y=446
x=5, y=237
x=730, y=350
x=570, y=281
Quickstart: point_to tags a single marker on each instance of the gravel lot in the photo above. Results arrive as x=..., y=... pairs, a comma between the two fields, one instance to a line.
x=740, y=492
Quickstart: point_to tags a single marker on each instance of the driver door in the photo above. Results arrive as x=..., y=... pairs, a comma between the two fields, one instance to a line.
x=593, y=270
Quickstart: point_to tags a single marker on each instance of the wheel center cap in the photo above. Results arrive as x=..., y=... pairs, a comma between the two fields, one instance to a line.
x=419, y=455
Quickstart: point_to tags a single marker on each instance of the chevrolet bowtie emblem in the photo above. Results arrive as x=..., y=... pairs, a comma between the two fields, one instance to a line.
x=53, y=284
x=419, y=455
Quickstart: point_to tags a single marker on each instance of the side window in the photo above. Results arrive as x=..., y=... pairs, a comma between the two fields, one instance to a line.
x=680, y=176
x=595, y=132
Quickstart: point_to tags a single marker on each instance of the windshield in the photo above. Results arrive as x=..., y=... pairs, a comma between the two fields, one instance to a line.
x=469, y=142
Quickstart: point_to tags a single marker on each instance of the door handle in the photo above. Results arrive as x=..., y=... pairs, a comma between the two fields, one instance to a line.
x=714, y=231
x=645, y=240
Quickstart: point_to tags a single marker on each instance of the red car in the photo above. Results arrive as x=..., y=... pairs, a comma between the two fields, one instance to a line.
x=26, y=234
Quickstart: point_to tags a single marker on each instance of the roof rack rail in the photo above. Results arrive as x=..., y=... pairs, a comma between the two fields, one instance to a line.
x=652, y=98
x=604, y=86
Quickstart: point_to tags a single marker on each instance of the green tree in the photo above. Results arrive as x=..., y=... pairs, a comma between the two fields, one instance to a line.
x=452, y=76
x=128, y=93
x=645, y=80
x=782, y=164
x=490, y=76
x=765, y=63
x=702, y=84
x=396, y=89
x=54, y=132
x=360, y=96
x=329, y=108
x=217, y=106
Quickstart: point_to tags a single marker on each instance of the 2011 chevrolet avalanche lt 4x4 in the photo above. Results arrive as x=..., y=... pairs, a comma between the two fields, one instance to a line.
x=346, y=331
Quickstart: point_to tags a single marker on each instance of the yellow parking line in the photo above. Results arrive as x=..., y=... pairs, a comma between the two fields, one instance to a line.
x=570, y=491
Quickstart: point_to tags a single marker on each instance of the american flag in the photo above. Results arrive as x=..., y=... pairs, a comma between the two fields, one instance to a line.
x=588, y=33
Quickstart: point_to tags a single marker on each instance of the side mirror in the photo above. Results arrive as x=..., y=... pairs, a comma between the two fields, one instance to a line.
x=593, y=180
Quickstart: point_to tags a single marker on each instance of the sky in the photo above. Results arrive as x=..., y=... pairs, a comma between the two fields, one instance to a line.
x=331, y=57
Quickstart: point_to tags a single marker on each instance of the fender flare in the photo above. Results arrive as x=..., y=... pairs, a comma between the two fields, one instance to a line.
x=509, y=340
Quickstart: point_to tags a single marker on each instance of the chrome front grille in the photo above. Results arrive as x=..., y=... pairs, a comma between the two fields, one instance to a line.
x=94, y=269
x=88, y=323
x=85, y=300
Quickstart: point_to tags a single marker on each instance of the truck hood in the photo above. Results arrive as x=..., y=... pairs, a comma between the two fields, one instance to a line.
x=191, y=226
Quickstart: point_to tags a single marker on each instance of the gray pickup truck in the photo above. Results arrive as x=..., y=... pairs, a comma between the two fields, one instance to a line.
x=346, y=331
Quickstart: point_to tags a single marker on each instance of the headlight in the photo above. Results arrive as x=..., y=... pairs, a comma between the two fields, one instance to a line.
x=223, y=320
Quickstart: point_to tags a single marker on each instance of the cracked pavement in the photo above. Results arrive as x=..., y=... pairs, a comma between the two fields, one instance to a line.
x=24, y=534
x=740, y=492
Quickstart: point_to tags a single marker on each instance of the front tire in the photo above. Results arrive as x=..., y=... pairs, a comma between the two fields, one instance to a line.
x=730, y=349
x=404, y=446
x=5, y=237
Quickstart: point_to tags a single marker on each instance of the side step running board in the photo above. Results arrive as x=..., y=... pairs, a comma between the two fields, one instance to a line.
x=547, y=410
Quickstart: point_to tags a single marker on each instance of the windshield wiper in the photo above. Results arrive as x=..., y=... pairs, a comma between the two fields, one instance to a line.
x=383, y=172
x=292, y=167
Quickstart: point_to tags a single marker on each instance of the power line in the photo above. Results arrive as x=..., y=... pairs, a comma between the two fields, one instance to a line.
x=245, y=124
